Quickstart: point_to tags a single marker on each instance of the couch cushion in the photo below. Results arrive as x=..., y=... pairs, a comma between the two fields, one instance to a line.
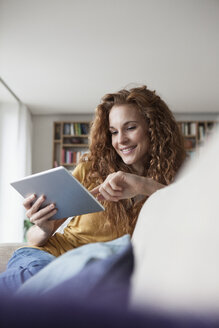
x=6, y=250
x=176, y=241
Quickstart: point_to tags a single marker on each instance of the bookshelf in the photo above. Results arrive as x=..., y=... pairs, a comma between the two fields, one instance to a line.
x=70, y=139
x=70, y=142
x=195, y=132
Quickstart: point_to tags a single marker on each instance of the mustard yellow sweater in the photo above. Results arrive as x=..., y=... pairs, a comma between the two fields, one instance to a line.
x=82, y=229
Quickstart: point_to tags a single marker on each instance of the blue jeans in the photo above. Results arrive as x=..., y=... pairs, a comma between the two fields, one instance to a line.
x=73, y=262
x=27, y=262
x=24, y=263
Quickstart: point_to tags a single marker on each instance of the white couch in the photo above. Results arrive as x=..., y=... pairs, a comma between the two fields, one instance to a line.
x=176, y=241
x=6, y=250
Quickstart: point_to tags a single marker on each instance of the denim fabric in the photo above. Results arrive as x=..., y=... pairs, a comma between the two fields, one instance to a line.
x=69, y=264
x=24, y=263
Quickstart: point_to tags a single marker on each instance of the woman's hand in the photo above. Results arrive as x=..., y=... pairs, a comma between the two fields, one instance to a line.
x=121, y=185
x=40, y=217
x=43, y=228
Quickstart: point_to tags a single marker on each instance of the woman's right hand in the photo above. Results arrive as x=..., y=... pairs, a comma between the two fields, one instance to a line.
x=40, y=216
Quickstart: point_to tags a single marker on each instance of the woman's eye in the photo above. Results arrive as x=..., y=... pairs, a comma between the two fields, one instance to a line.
x=113, y=132
x=131, y=128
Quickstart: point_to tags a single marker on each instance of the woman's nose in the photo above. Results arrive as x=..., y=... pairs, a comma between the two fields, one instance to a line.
x=122, y=138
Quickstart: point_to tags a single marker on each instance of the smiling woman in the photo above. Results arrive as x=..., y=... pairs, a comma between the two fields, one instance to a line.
x=135, y=149
x=135, y=141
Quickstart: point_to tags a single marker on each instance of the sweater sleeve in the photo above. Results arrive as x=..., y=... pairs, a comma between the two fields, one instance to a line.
x=80, y=171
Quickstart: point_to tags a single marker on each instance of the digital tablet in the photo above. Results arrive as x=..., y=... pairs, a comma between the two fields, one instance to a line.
x=62, y=188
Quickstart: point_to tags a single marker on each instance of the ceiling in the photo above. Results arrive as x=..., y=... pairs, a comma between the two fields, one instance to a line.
x=62, y=56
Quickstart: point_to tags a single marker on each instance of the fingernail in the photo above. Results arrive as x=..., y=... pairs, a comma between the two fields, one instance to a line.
x=52, y=206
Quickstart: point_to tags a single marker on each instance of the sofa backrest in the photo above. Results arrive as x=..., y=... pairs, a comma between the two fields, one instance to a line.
x=6, y=250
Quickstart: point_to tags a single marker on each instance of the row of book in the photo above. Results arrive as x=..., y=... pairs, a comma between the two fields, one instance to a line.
x=75, y=140
x=201, y=132
x=71, y=157
x=76, y=129
x=190, y=141
x=188, y=128
x=191, y=128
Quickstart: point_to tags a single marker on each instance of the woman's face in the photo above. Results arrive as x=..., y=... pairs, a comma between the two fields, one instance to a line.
x=129, y=135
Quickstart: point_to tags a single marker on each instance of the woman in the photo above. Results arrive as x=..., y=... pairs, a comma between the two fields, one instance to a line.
x=135, y=149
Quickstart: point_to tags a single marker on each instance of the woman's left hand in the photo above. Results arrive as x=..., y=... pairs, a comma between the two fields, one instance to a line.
x=122, y=185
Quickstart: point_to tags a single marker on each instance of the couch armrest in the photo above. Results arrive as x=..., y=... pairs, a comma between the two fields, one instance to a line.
x=6, y=250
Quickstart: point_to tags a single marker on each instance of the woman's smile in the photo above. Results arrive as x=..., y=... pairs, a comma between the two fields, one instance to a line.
x=128, y=150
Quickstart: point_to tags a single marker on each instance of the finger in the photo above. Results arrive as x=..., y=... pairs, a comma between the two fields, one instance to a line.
x=110, y=198
x=114, y=183
x=27, y=203
x=100, y=197
x=115, y=180
x=118, y=180
x=35, y=207
x=108, y=188
x=115, y=187
x=107, y=196
x=42, y=212
x=95, y=191
x=42, y=215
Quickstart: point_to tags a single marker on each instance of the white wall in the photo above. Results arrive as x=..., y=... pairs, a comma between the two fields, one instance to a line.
x=196, y=116
x=43, y=138
x=15, y=163
x=67, y=54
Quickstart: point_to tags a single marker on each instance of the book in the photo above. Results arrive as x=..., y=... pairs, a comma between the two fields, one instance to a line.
x=62, y=188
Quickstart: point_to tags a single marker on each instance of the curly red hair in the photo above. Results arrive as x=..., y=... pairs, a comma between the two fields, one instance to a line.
x=167, y=151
